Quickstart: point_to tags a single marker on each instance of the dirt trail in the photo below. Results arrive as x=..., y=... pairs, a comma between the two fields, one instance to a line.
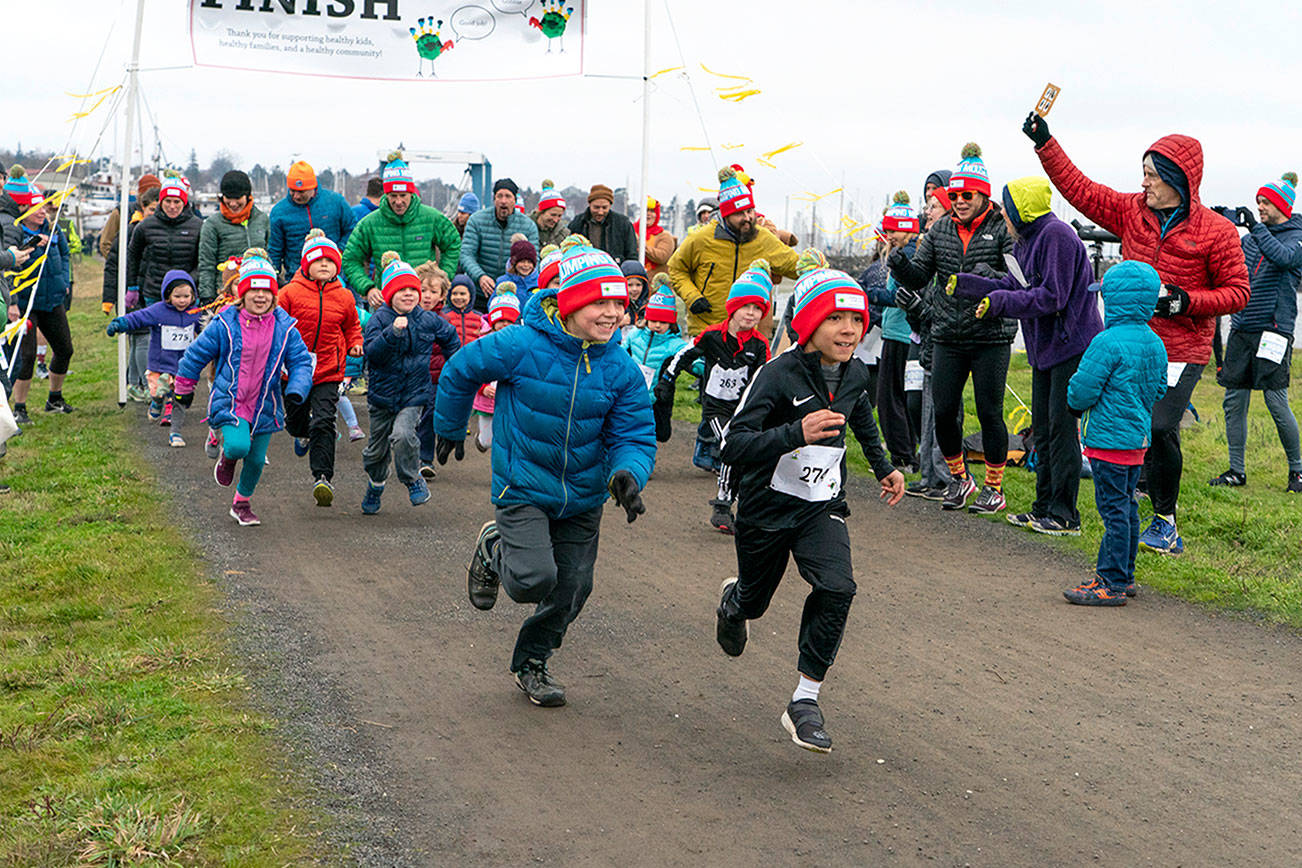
x=977, y=718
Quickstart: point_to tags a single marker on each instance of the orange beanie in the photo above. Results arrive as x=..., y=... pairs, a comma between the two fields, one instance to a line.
x=301, y=177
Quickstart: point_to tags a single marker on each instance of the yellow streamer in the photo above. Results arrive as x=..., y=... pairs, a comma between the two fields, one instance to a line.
x=73, y=162
x=773, y=153
x=97, y=104
x=28, y=269
x=693, y=148
x=807, y=196
x=732, y=147
x=726, y=75
x=54, y=199
x=113, y=89
x=666, y=71
x=738, y=97
x=13, y=329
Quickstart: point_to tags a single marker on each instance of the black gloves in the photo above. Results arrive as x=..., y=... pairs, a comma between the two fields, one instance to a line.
x=1246, y=218
x=1036, y=129
x=443, y=447
x=663, y=412
x=623, y=487
x=292, y=400
x=701, y=306
x=907, y=299
x=185, y=400
x=1173, y=301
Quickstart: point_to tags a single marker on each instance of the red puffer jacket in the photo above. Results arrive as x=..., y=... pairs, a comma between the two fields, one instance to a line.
x=1201, y=254
x=327, y=320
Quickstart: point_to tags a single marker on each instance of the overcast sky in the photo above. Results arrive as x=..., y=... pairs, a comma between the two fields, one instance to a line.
x=879, y=93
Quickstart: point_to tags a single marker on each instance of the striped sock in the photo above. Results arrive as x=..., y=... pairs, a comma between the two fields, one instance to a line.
x=995, y=476
x=957, y=466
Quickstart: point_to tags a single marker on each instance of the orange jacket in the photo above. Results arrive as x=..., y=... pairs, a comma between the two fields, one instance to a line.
x=327, y=319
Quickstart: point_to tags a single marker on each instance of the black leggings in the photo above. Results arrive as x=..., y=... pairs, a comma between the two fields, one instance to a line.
x=54, y=325
x=987, y=364
x=1164, y=461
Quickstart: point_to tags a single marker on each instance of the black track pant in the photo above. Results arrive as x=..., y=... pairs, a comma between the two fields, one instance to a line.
x=987, y=365
x=54, y=325
x=821, y=548
x=1057, y=444
x=315, y=420
x=893, y=415
x=1164, y=462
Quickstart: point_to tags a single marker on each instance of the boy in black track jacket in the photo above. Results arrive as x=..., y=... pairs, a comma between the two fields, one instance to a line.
x=733, y=351
x=786, y=444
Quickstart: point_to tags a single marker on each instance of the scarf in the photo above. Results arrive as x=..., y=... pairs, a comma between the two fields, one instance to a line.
x=239, y=217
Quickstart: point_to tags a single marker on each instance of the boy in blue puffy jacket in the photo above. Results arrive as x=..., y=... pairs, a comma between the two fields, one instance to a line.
x=1120, y=377
x=397, y=342
x=572, y=425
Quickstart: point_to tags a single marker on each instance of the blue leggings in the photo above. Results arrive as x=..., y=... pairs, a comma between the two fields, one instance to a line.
x=239, y=441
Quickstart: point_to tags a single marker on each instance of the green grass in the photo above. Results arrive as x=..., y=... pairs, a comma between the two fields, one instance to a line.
x=1241, y=544
x=126, y=732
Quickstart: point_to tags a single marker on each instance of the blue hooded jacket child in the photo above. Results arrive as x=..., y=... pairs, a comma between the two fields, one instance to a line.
x=171, y=331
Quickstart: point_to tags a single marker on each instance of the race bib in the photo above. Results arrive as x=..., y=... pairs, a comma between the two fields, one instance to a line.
x=1173, y=372
x=726, y=385
x=647, y=374
x=177, y=337
x=913, y=375
x=1272, y=348
x=811, y=473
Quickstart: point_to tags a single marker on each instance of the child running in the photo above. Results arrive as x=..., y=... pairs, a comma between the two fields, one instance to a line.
x=787, y=443
x=399, y=338
x=573, y=426
x=434, y=285
x=171, y=323
x=326, y=317
x=733, y=350
x=252, y=342
x=503, y=310
x=522, y=266
x=460, y=310
x=1120, y=377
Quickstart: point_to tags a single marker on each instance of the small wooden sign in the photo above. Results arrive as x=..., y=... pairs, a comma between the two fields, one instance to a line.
x=1050, y=94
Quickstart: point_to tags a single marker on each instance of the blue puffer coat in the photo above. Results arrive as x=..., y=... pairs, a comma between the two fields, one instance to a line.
x=569, y=413
x=1273, y=255
x=1123, y=371
x=290, y=223
x=398, y=361
x=56, y=274
x=486, y=245
x=222, y=342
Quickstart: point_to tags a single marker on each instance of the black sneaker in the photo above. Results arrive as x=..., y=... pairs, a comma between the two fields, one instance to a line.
x=538, y=684
x=428, y=471
x=20, y=414
x=1231, y=478
x=730, y=630
x=1020, y=519
x=1052, y=527
x=1294, y=482
x=925, y=491
x=721, y=517
x=804, y=720
x=4, y=489
x=958, y=491
x=988, y=502
x=57, y=405
x=481, y=581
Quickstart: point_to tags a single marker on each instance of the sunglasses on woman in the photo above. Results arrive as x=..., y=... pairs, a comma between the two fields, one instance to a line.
x=966, y=195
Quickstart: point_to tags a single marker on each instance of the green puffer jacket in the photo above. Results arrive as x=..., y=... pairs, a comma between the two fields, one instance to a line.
x=420, y=234
x=220, y=239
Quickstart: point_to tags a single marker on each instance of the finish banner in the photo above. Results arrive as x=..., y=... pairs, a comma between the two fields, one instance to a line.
x=408, y=40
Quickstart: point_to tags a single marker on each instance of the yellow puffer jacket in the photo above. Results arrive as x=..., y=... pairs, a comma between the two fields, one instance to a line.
x=709, y=260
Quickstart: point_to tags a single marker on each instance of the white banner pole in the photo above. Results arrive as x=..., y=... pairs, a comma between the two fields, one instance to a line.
x=646, y=129
x=124, y=202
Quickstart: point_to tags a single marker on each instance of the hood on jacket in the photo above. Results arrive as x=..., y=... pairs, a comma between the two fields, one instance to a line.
x=1129, y=291
x=1027, y=199
x=175, y=276
x=1187, y=154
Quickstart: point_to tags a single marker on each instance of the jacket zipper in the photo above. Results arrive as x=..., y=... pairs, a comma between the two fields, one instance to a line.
x=569, y=422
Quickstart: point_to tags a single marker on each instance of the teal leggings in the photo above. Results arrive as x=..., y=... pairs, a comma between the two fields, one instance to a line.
x=239, y=441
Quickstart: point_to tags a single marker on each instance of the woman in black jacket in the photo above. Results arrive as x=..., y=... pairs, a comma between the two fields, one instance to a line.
x=165, y=241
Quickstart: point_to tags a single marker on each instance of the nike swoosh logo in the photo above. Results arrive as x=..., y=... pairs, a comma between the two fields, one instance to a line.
x=797, y=403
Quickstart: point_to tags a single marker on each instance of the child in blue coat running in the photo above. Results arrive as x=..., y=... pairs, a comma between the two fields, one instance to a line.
x=572, y=426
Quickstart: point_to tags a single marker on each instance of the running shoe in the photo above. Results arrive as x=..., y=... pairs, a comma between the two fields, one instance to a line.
x=175, y=440
x=137, y=394
x=1294, y=482
x=418, y=491
x=721, y=517
x=958, y=491
x=300, y=446
x=20, y=414
x=1231, y=478
x=212, y=447
x=804, y=720
x=925, y=491
x=241, y=512
x=1020, y=519
x=371, y=500
x=1095, y=593
x=429, y=471
x=4, y=489
x=480, y=446
x=58, y=405
x=1161, y=537
x=42, y=371
x=481, y=580
x=988, y=502
x=224, y=471
x=166, y=421
x=1052, y=527
x=538, y=684
x=1130, y=590
x=155, y=409
x=324, y=492
x=356, y=433
x=731, y=630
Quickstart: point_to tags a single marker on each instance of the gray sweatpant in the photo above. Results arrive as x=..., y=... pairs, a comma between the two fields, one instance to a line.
x=393, y=432
x=935, y=472
x=1236, y=426
x=549, y=562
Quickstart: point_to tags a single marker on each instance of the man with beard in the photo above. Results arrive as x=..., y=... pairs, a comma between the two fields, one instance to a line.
x=606, y=228
x=705, y=266
x=486, y=244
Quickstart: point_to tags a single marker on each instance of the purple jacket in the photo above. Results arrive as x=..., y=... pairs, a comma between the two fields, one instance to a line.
x=170, y=332
x=1059, y=315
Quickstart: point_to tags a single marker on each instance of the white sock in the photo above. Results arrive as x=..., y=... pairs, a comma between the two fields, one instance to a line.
x=807, y=688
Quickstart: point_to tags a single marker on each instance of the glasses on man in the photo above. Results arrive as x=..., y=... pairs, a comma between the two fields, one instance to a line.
x=966, y=195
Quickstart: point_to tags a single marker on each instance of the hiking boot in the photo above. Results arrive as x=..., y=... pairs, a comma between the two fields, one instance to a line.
x=429, y=472
x=371, y=500
x=957, y=492
x=356, y=433
x=721, y=517
x=731, y=630
x=925, y=491
x=1052, y=527
x=1294, y=482
x=1095, y=593
x=224, y=471
x=137, y=394
x=1231, y=478
x=481, y=580
x=988, y=502
x=324, y=492
x=155, y=409
x=175, y=440
x=241, y=512
x=212, y=447
x=301, y=445
x=20, y=414
x=1161, y=537
x=1020, y=519
x=538, y=684
x=418, y=491
x=58, y=405
x=804, y=720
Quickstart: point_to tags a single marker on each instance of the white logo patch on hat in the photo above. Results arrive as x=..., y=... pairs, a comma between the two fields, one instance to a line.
x=613, y=289
x=848, y=301
x=314, y=254
x=259, y=283
x=956, y=182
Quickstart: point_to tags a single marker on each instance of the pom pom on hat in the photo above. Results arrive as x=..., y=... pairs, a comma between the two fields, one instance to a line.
x=899, y=217
x=315, y=246
x=572, y=241
x=588, y=275
x=1281, y=193
x=971, y=172
x=504, y=305
x=901, y=197
x=19, y=187
x=752, y=286
x=397, y=175
x=301, y=176
x=550, y=198
x=820, y=293
x=395, y=275
x=809, y=259
x=256, y=273
x=734, y=196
